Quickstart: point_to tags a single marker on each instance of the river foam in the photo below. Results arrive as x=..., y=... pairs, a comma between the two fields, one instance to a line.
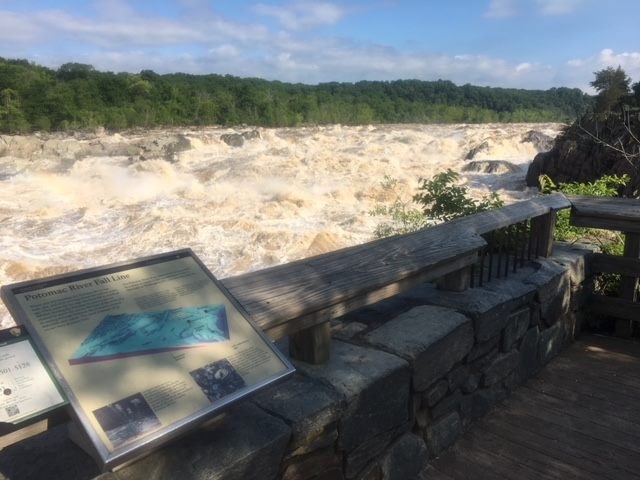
x=292, y=193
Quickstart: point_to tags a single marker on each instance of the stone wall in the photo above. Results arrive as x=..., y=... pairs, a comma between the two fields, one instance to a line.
x=406, y=377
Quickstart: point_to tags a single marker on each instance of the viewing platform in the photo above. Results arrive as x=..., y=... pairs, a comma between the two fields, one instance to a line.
x=578, y=418
x=459, y=351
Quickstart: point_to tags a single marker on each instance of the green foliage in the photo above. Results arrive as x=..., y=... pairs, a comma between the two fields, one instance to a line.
x=402, y=218
x=443, y=200
x=440, y=200
x=76, y=96
x=611, y=85
x=606, y=186
x=609, y=242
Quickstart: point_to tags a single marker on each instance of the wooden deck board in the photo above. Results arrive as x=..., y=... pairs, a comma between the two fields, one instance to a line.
x=579, y=418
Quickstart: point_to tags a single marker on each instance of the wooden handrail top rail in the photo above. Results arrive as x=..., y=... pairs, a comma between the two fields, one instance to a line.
x=490, y=220
x=319, y=288
x=621, y=214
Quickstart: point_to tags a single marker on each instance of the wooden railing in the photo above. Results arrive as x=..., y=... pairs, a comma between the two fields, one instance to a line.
x=623, y=215
x=299, y=298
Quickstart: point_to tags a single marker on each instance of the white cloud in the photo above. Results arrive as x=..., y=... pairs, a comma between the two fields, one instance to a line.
x=302, y=15
x=580, y=71
x=501, y=9
x=558, y=7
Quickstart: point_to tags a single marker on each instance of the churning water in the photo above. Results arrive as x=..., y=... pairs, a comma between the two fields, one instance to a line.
x=290, y=194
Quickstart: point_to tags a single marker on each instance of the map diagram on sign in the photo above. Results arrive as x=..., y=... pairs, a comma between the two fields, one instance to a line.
x=126, y=335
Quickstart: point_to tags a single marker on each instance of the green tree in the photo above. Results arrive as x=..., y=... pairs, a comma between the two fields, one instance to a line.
x=611, y=85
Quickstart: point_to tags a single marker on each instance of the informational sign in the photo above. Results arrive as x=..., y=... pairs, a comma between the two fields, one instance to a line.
x=146, y=349
x=27, y=389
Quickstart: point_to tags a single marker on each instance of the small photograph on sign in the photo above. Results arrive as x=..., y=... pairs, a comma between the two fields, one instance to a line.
x=132, y=334
x=218, y=379
x=126, y=419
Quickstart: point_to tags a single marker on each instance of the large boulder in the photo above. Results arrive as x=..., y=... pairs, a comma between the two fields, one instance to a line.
x=498, y=167
x=540, y=141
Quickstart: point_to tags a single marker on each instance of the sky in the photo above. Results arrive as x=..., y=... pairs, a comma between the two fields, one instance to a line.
x=504, y=43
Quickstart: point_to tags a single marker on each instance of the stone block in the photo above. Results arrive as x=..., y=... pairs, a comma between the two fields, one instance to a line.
x=307, y=467
x=246, y=443
x=488, y=306
x=347, y=330
x=482, y=400
x=553, y=290
x=529, y=354
x=501, y=366
x=308, y=407
x=373, y=471
x=374, y=385
x=482, y=348
x=376, y=314
x=458, y=376
x=572, y=256
x=471, y=383
x=446, y=405
x=516, y=328
x=372, y=448
x=432, y=339
x=550, y=342
x=435, y=393
x=442, y=433
x=405, y=458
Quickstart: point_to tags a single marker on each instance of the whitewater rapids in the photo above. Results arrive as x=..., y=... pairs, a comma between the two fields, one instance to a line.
x=288, y=194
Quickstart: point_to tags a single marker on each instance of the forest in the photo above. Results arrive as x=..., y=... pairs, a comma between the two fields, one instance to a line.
x=78, y=97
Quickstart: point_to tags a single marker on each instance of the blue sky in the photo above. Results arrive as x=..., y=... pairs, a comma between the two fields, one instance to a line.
x=508, y=43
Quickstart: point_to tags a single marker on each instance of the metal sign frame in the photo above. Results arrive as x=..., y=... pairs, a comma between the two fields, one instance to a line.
x=108, y=453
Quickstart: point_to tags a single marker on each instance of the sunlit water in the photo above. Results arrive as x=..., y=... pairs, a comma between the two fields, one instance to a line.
x=291, y=194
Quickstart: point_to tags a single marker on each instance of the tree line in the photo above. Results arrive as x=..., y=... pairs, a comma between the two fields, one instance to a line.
x=77, y=97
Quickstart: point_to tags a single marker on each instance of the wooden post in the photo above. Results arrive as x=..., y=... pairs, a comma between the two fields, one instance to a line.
x=628, y=285
x=542, y=229
x=457, y=281
x=311, y=345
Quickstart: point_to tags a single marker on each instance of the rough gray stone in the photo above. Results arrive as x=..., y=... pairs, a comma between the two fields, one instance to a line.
x=432, y=339
x=481, y=349
x=232, y=139
x=347, y=330
x=446, y=405
x=529, y=354
x=251, y=134
x=364, y=377
x=307, y=467
x=442, y=433
x=550, y=342
x=457, y=376
x=309, y=408
x=500, y=367
x=372, y=448
x=246, y=443
x=516, y=328
x=572, y=257
x=471, y=383
x=482, y=400
x=553, y=290
x=434, y=394
x=488, y=306
x=373, y=471
x=404, y=458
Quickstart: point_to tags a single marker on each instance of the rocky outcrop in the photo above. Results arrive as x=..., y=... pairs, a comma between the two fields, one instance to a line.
x=165, y=146
x=541, y=142
x=238, y=139
x=482, y=147
x=490, y=166
x=589, y=149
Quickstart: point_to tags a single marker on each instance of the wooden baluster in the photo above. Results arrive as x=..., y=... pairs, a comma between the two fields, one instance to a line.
x=628, y=285
x=311, y=345
x=542, y=229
